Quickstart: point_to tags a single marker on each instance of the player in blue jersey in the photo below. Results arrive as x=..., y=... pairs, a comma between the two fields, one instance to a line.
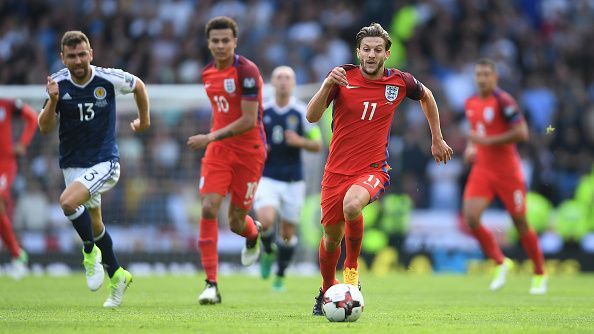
x=81, y=99
x=282, y=189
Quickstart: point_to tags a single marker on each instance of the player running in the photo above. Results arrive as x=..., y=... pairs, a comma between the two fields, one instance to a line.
x=496, y=125
x=81, y=98
x=236, y=151
x=356, y=173
x=282, y=188
x=9, y=152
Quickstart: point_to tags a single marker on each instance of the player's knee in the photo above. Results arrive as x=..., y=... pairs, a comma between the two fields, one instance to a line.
x=472, y=219
x=210, y=210
x=351, y=210
x=67, y=204
x=331, y=242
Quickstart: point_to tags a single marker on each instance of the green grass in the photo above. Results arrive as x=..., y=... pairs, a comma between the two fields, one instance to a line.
x=399, y=303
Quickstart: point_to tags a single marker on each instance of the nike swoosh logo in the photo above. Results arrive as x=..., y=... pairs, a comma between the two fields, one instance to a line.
x=206, y=85
x=352, y=87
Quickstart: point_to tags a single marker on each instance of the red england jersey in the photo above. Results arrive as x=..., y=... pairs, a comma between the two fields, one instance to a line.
x=9, y=109
x=225, y=89
x=492, y=116
x=362, y=116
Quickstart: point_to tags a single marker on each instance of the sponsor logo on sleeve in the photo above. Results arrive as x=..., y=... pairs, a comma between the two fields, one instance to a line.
x=509, y=111
x=249, y=82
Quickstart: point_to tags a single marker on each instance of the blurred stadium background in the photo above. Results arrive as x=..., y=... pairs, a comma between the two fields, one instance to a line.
x=543, y=49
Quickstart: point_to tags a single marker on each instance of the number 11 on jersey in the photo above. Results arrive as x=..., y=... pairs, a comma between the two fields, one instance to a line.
x=373, y=106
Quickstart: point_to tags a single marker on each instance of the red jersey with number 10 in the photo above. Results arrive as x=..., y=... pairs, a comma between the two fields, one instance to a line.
x=362, y=116
x=490, y=116
x=225, y=89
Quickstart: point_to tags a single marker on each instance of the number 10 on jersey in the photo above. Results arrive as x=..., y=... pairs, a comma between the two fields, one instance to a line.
x=366, y=107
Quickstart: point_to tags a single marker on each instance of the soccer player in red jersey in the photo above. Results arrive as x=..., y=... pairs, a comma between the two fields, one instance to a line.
x=8, y=171
x=356, y=173
x=496, y=126
x=235, y=149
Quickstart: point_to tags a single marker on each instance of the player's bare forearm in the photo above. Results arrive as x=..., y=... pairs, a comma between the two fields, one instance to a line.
x=312, y=145
x=431, y=112
x=439, y=148
x=317, y=104
x=247, y=121
x=518, y=133
x=47, y=119
x=142, y=104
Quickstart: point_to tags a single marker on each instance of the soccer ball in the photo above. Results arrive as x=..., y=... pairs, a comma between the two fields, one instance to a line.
x=343, y=302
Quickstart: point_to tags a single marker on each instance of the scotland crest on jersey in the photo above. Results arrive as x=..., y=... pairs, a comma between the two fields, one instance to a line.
x=100, y=94
x=229, y=85
x=391, y=93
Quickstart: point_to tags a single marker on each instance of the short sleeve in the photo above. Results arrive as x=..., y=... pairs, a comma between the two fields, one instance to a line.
x=123, y=82
x=414, y=88
x=509, y=108
x=248, y=76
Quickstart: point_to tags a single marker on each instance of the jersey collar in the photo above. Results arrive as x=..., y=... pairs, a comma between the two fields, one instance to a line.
x=86, y=83
x=284, y=109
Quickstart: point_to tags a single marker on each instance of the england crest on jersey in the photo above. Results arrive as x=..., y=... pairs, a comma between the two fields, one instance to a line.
x=391, y=93
x=229, y=85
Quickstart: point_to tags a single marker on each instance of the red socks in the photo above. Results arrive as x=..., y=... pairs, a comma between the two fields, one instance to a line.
x=328, y=262
x=353, y=237
x=488, y=243
x=529, y=241
x=250, y=231
x=207, y=242
x=7, y=234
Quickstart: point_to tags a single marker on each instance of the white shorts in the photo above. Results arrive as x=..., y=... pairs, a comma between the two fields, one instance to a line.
x=97, y=179
x=285, y=197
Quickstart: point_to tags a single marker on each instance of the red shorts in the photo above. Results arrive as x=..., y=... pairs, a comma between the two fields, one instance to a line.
x=509, y=188
x=335, y=187
x=225, y=170
x=8, y=171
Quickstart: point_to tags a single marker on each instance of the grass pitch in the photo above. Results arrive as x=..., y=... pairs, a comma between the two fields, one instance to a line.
x=399, y=303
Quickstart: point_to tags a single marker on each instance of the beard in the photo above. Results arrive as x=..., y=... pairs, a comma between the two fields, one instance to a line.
x=379, y=64
x=85, y=71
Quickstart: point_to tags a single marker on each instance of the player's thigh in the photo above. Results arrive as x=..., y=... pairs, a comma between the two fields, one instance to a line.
x=512, y=193
x=334, y=187
x=246, y=175
x=96, y=180
x=478, y=190
x=292, y=201
x=371, y=186
x=268, y=194
x=215, y=175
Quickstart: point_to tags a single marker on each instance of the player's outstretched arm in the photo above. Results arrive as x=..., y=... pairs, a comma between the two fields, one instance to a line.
x=517, y=133
x=311, y=143
x=141, y=98
x=247, y=121
x=319, y=102
x=439, y=148
x=48, y=118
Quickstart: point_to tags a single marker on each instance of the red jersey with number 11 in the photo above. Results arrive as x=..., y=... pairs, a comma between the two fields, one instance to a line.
x=226, y=89
x=362, y=116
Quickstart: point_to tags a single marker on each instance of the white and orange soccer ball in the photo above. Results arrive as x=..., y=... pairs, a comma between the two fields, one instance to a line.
x=343, y=302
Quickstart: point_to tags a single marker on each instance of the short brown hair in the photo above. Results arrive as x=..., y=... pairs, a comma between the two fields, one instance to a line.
x=487, y=62
x=73, y=38
x=221, y=22
x=374, y=30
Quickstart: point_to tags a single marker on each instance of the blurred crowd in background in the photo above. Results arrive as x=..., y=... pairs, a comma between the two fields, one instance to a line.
x=543, y=49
